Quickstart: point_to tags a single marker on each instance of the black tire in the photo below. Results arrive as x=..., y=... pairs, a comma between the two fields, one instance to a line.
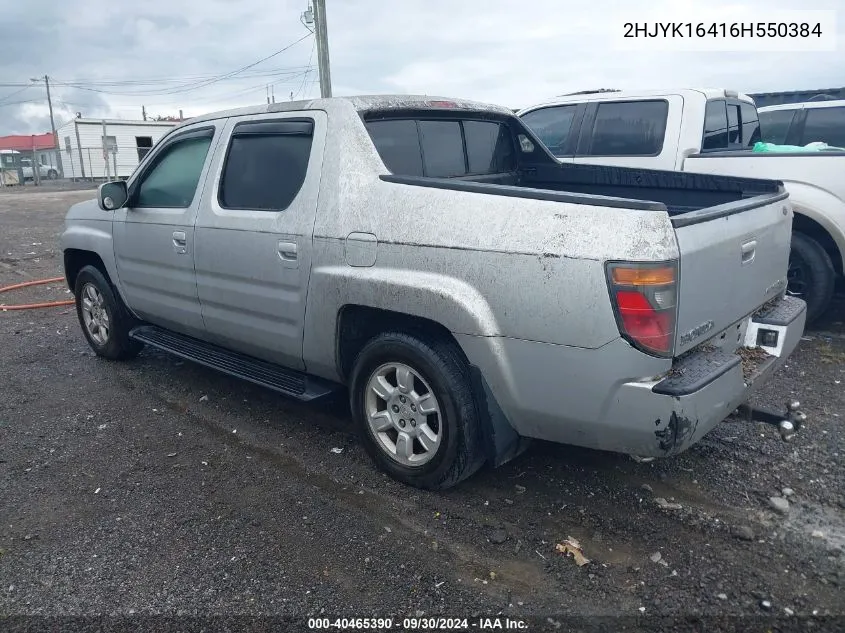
x=811, y=275
x=52, y=174
x=117, y=345
x=442, y=365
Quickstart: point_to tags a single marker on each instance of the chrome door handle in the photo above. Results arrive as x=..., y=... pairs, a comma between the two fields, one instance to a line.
x=749, y=250
x=180, y=241
x=287, y=251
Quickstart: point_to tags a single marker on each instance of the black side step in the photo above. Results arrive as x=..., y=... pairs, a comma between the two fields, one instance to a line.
x=287, y=381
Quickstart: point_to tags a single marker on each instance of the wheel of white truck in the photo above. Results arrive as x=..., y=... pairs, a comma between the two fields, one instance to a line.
x=416, y=412
x=104, y=319
x=52, y=174
x=810, y=275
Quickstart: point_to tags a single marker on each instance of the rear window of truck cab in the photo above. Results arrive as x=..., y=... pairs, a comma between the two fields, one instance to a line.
x=443, y=147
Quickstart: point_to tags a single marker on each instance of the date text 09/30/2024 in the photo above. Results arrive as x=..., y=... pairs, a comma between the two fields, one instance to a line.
x=418, y=624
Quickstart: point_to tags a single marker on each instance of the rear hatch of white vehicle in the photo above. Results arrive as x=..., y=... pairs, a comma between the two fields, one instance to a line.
x=733, y=259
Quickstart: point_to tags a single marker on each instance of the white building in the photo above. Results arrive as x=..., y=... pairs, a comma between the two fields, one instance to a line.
x=81, y=142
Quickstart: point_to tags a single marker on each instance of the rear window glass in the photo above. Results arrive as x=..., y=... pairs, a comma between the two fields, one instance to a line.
x=715, y=126
x=730, y=125
x=750, y=124
x=634, y=128
x=733, y=123
x=552, y=126
x=774, y=125
x=443, y=148
x=826, y=125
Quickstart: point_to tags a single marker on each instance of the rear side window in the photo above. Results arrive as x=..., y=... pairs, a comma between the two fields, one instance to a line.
x=398, y=144
x=774, y=125
x=552, y=126
x=826, y=125
x=443, y=148
x=634, y=128
x=264, y=170
x=489, y=147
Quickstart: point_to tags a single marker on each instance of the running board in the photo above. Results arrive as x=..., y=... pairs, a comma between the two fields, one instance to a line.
x=287, y=381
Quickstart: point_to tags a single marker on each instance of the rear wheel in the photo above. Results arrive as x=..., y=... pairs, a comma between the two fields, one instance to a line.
x=415, y=409
x=104, y=319
x=810, y=276
x=52, y=174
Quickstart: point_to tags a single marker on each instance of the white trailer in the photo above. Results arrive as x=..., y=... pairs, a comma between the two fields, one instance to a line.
x=107, y=149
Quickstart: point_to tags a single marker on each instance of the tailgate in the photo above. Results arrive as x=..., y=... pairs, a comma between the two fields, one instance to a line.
x=733, y=259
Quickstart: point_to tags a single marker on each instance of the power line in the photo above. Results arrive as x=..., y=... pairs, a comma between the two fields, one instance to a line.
x=187, y=87
x=310, y=68
x=258, y=72
x=16, y=92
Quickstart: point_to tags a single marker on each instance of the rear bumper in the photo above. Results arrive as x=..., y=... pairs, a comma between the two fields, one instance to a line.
x=581, y=397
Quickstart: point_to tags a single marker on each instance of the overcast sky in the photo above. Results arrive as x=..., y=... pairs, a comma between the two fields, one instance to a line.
x=505, y=52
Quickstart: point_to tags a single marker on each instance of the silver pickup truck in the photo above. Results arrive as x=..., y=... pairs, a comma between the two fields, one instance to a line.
x=432, y=257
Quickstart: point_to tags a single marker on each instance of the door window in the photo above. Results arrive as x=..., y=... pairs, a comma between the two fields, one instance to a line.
x=826, y=125
x=774, y=125
x=632, y=128
x=264, y=169
x=172, y=181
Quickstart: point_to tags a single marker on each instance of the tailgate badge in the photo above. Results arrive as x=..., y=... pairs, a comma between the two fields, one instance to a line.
x=696, y=332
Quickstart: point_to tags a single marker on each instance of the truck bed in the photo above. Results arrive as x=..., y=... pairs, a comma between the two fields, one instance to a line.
x=680, y=192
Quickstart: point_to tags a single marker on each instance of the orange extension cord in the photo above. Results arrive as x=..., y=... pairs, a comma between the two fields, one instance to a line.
x=34, y=306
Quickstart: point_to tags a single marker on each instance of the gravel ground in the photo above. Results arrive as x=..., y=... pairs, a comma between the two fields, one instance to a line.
x=161, y=487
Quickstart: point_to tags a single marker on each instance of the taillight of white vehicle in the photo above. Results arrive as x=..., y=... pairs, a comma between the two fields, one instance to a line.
x=644, y=297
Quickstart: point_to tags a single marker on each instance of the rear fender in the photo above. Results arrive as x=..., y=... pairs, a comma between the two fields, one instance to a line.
x=454, y=304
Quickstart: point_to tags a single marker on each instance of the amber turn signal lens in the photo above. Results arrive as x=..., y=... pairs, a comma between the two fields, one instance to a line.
x=643, y=276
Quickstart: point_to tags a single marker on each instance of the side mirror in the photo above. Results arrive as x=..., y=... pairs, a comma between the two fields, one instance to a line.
x=112, y=195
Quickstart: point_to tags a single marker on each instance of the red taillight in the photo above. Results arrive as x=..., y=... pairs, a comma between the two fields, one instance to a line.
x=644, y=299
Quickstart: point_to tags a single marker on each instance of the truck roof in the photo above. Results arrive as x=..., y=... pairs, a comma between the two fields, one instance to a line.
x=360, y=103
x=707, y=93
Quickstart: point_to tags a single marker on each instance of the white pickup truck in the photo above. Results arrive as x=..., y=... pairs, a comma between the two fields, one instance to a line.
x=708, y=131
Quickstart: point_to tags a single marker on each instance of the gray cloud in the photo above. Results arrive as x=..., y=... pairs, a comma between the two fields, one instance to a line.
x=497, y=50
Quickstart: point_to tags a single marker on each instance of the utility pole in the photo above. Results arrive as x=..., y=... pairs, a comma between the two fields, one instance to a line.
x=321, y=33
x=273, y=92
x=46, y=79
x=144, y=112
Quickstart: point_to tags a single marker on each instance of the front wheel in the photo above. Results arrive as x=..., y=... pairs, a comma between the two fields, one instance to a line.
x=415, y=409
x=104, y=319
x=810, y=276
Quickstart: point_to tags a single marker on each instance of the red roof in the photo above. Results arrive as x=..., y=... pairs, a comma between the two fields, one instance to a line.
x=25, y=143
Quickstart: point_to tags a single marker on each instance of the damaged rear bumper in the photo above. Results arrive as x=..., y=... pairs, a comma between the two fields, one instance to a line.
x=707, y=385
x=616, y=398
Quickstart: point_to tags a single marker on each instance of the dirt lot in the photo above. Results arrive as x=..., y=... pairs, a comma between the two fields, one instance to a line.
x=160, y=487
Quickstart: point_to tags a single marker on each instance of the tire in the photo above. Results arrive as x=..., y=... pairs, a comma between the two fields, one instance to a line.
x=437, y=367
x=96, y=297
x=52, y=174
x=811, y=275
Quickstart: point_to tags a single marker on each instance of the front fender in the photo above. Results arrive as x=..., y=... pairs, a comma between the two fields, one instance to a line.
x=822, y=207
x=453, y=303
x=94, y=236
